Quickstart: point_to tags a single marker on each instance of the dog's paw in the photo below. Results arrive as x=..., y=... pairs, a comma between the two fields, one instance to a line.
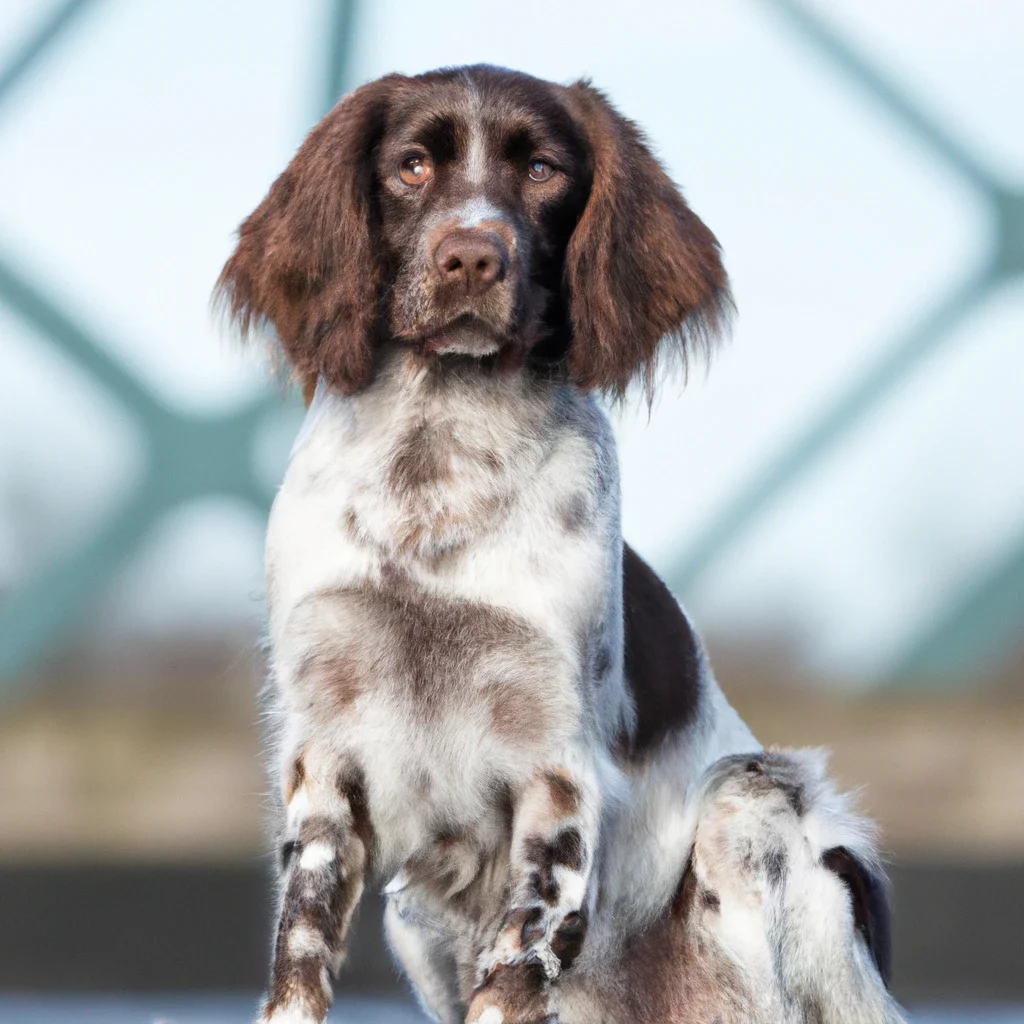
x=522, y=940
x=536, y=935
x=515, y=994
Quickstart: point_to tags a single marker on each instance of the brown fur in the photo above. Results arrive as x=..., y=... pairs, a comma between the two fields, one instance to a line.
x=662, y=657
x=434, y=646
x=607, y=258
x=640, y=264
x=306, y=260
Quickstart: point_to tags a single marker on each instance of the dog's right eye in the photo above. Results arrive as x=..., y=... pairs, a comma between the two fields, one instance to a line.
x=416, y=169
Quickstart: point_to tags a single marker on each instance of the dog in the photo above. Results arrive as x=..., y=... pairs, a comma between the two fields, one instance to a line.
x=484, y=700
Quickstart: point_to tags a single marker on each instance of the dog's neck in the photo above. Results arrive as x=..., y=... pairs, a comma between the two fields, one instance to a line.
x=434, y=450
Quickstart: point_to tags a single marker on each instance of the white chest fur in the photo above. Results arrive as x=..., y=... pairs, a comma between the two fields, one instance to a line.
x=440, y=557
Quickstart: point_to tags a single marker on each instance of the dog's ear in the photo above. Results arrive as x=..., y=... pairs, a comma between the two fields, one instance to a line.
x=306, y=263
x=869, y=901
x=640, y=266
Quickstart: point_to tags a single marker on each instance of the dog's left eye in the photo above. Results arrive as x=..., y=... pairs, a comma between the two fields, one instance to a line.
x=416, y=169
x=540, y=170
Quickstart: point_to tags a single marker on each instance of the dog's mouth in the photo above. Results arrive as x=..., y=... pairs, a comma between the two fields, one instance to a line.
x=466, y=335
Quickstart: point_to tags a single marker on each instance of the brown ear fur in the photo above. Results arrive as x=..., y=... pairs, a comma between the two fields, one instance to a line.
x=640, y=265
x=306, y=261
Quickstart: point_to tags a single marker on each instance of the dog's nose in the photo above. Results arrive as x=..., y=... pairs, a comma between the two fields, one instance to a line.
x=471, y=260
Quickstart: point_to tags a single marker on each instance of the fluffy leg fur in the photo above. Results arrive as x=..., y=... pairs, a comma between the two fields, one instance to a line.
x=324, y=859
x=785, y=884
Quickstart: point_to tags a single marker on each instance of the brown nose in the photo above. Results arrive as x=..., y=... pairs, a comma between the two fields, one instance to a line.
x=470, y=260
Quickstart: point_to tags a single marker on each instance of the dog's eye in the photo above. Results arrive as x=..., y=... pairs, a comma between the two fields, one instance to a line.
x=416, y=169
x=540, y=170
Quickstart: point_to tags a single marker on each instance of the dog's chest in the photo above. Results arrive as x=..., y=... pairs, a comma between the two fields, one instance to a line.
x=431, y=587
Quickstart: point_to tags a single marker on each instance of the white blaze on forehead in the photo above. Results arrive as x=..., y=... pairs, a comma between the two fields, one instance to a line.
x=476, y=158
x=492, y=1015
x=476, y=211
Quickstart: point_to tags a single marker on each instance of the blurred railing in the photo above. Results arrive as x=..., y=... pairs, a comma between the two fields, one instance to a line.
x=979, y=625
x=186, y=456
x=189, y=456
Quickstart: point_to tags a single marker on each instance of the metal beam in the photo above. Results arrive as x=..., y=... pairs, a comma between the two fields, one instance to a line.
x=38, y=43
x=974, y=631
x=340, y=50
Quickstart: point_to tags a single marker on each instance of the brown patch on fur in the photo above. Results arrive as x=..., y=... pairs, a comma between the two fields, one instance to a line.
x=352, y=786
x=869, y=902
x=319, y=899
x=575, y=515
x=512, y=710
x=297, y=981
x=567, y=943
x=448, y=866
x=296, y=776
x=567, y=849
x=640, y=265
x=520, y=992
x=307, y=259
x=432, y=650
x=674, y=973
x=331, y=673
x=422, y=457
x=565, y=795
x=662, y=659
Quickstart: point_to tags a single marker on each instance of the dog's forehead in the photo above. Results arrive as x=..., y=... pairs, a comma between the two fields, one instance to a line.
x=481, y=101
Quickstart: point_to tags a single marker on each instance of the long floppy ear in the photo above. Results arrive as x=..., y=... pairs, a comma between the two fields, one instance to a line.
x=869, y=902
x=306, y=262
x=641, y=266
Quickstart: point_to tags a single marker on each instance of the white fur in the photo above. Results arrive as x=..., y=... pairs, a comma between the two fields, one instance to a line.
x=491, y=534
x=306, y=942
x=293, y=1014
x=316, y=855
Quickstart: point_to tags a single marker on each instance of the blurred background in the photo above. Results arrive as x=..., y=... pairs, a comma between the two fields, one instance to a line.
x=839, y=500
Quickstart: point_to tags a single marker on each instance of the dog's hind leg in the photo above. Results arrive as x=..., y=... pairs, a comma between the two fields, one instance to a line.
x=785, y=889
x=324, y=856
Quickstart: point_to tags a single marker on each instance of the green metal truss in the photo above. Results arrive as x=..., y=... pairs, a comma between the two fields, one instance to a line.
x=188, y=456
x=994, y=600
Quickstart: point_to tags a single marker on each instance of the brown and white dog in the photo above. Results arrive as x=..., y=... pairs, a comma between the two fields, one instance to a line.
x=485, y=700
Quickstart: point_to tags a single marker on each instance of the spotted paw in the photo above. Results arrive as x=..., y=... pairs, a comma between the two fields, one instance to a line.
x=536, y=936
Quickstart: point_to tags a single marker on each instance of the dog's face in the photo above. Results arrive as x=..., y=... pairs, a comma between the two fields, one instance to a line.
x=478, y=212
x=482, y=176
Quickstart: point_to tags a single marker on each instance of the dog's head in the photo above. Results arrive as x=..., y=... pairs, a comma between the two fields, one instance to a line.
x=478, y=212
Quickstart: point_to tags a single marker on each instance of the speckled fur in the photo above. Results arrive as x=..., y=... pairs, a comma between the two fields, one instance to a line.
x=481, y=699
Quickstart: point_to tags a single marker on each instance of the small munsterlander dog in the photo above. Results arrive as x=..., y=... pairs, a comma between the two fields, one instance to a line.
x=486, y=702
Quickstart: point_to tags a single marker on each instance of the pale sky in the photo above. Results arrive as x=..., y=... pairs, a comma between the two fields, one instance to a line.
x=128, y=160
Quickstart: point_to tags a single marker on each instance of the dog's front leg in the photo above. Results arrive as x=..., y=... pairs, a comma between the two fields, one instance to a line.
x=324, y=856
x=554, y=841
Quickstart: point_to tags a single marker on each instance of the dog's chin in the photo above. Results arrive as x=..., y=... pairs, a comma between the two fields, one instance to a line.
x=464, y=337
